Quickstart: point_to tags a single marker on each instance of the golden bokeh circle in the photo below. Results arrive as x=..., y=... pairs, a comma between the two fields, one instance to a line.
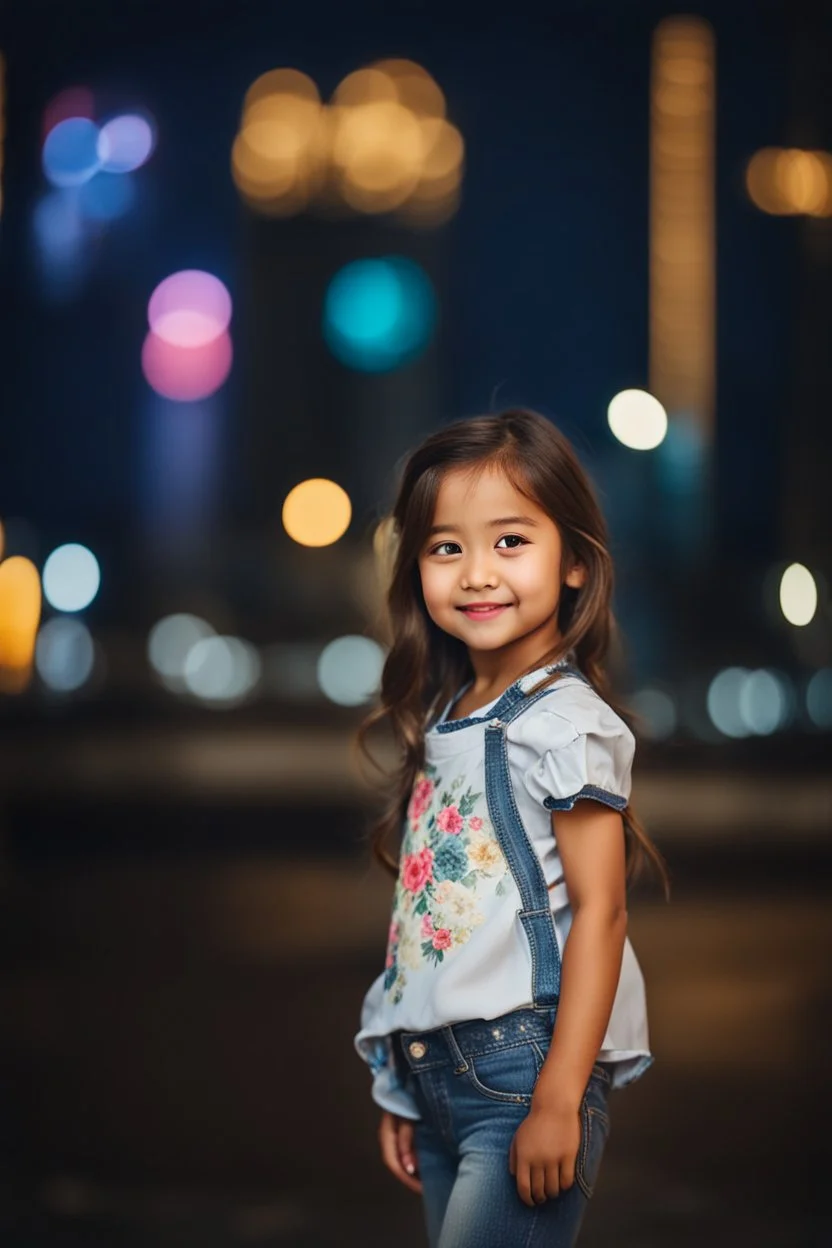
x=317, y=512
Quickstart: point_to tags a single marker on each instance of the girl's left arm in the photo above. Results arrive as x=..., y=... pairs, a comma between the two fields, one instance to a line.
x=590, y=840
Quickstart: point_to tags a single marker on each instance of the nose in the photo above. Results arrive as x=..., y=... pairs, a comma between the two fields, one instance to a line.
x=478, y=571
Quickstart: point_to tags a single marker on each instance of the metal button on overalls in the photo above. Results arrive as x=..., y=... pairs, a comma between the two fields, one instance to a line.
x=417, y=1049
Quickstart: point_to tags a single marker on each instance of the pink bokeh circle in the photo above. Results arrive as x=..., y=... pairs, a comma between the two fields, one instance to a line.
x=186, y=373
x=189, y=309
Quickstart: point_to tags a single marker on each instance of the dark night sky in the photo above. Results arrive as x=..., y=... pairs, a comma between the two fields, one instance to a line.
x=547, y=300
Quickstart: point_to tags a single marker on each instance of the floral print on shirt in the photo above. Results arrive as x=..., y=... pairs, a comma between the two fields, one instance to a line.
x=450, y=858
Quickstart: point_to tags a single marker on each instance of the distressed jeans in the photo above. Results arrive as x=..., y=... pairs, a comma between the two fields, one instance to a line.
x=473, y=1085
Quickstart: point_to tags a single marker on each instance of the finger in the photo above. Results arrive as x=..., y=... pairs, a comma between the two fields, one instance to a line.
x=407, y=1152
x=538, y=1184
x=524, y=1189
x=554, y=1186
x=567, y=1175
x=390, y=1154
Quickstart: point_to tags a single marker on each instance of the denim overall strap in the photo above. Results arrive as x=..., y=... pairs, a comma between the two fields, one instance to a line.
x=523, y=862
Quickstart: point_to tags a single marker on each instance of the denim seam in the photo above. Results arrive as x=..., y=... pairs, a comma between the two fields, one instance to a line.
x=532, y=1226
x=599, y=1113
x=511, y=1098
x=580, y=1167
x=588, y=791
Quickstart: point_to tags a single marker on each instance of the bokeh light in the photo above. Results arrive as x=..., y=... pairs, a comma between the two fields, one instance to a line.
x=349, y=669
x=723, y=700
x=20, y=607
x=125, y=143
x=189, y=309
x=382, y=145
x=414, y=87
x=377, y=153
x=637, y=419
x=64, y=654
x=170, y=641
x=186, y=374
x=436, y=195
x=221, y=671
x=290, y=82
x=798, y=595
x=70, y=152
x=765, y=702
x=316, y=512
x=59, y=229
x=657, y=711
x=72, y=102
x=279, y=155
x=105, y=197
x=379, y=314
x=789, y=181
x=819, y=698
x=71, y=577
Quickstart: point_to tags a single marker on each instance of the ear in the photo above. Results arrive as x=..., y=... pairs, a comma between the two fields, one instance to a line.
x=576, y=576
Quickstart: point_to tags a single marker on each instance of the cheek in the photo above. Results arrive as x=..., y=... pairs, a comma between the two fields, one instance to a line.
x=538, y=580
x=428, y=587
x=432, y=588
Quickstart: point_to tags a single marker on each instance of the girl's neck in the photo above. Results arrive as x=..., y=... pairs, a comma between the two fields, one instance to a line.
x=494, y=672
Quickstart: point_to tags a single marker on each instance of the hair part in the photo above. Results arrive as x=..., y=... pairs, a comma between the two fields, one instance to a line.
x=426, y=666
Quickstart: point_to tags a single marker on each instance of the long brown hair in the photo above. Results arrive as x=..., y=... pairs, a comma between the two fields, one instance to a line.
x=425, y=666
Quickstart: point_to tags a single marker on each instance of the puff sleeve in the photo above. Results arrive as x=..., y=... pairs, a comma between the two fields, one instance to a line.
x=575, y=746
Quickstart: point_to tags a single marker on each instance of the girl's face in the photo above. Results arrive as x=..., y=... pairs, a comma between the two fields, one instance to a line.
x=491, y=570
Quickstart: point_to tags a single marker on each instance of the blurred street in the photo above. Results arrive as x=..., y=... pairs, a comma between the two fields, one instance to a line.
x=178, y=1067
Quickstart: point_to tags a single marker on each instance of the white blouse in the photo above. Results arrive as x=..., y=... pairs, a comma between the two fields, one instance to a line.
x=455, y=948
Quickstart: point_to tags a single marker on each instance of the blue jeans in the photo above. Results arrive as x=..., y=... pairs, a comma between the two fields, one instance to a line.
x=473, y=1083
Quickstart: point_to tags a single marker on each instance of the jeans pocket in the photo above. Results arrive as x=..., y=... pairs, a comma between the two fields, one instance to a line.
x=507, y=1074
x=595, y=1131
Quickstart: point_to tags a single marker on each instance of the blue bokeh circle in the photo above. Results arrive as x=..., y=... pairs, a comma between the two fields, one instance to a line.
x=70, y=153
x=379, y=313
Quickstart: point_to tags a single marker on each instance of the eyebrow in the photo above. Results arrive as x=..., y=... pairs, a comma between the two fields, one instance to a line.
x=494, y=524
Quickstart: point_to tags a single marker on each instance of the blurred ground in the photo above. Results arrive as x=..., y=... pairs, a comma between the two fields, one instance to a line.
x=177, y=1066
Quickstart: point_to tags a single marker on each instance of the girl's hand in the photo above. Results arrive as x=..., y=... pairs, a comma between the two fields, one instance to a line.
x=396, y=1139
x=543, y=1153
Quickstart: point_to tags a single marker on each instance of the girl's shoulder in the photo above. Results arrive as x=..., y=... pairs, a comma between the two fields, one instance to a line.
x=569, y=708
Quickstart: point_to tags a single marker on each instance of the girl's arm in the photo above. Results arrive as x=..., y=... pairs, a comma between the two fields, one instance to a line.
x=590, y=840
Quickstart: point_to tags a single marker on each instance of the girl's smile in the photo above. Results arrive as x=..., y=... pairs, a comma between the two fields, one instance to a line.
x=484, y=611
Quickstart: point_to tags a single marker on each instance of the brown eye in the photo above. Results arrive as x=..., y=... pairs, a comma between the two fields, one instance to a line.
x=514, y=538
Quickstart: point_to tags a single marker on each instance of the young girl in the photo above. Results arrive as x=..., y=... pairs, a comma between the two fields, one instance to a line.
x=511, y=1001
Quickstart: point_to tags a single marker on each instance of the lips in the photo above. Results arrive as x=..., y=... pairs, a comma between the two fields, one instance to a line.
x=484, y=610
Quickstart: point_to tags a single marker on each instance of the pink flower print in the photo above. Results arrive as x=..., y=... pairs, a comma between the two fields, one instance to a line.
x=442, y=938
x=417, y=870
x=419, y=800
x=427, y=926
x=475, y=823
x=450, y=820
x=392, y=941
